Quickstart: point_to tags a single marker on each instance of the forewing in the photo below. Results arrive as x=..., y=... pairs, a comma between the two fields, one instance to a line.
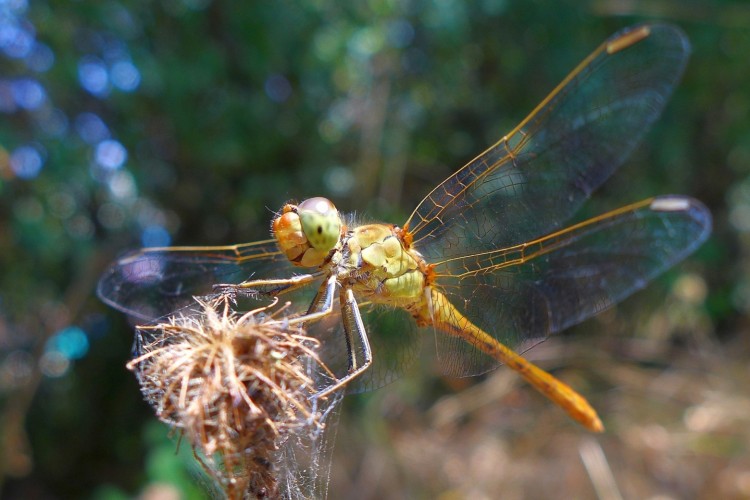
x=521, y=295
x=534, y=179
x=152, y=282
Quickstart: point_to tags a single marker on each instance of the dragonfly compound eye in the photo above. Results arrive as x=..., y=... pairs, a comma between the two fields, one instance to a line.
x=321, y=223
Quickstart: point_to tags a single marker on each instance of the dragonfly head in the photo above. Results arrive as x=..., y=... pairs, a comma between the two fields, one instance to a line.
x=308, y=232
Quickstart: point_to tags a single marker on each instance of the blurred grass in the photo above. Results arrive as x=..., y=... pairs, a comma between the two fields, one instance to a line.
x=676, y=414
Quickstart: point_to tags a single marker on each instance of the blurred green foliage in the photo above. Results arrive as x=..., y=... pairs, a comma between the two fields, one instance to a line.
x=125, y=123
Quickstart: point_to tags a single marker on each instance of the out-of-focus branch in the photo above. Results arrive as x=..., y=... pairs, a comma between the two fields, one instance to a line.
x=16, y=455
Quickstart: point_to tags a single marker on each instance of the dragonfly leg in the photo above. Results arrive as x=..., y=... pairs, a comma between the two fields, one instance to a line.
x=272, y=287
x=353, y=326
x=322, y=304
x=323, y=298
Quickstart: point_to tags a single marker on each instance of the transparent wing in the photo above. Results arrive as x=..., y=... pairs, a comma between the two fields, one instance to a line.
x=151, y=282
x=522, y=294
x=534, y=179
x=394, y=341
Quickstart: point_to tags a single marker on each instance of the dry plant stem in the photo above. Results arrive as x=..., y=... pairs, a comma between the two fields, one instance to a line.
x=236, y=385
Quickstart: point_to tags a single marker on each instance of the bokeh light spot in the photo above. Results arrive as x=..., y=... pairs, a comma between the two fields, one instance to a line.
x=366, y=42
x=54, y=364
x=62, y=204
x=329, y=132
x=155, y=236
x=339, y=180
x=92, y=74
x=91, y=128
x=80, y=227
x=71, y=342
x=400, y=33
x=26, y=162
x=122, y=185
x=739, y=216
x=16, y=369
x=110, y=154
x=125, y=76
x=16, y=41
x=28, y=93
x=278, y=88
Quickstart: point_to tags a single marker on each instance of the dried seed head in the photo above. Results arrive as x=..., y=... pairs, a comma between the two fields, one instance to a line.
x=236, y=385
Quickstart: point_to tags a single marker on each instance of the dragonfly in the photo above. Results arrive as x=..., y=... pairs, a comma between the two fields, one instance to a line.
x=486, y=260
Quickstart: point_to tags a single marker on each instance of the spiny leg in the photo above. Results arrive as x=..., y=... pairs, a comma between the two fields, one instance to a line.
x=272, y=287
x=353, y=326
x=322, y=304
x=323, y=298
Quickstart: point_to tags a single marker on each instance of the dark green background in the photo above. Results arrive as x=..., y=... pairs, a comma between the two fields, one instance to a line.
x=381, y=100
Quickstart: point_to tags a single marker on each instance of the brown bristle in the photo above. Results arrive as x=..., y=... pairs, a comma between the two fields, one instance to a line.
x=235, y=385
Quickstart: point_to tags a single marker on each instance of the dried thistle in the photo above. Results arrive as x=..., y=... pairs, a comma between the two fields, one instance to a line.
x=237, y=386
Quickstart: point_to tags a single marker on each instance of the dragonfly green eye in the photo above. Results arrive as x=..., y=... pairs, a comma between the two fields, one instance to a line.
x=321, y=223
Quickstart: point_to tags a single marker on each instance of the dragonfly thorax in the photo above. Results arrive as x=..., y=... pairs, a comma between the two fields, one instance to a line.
x=308, y=232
